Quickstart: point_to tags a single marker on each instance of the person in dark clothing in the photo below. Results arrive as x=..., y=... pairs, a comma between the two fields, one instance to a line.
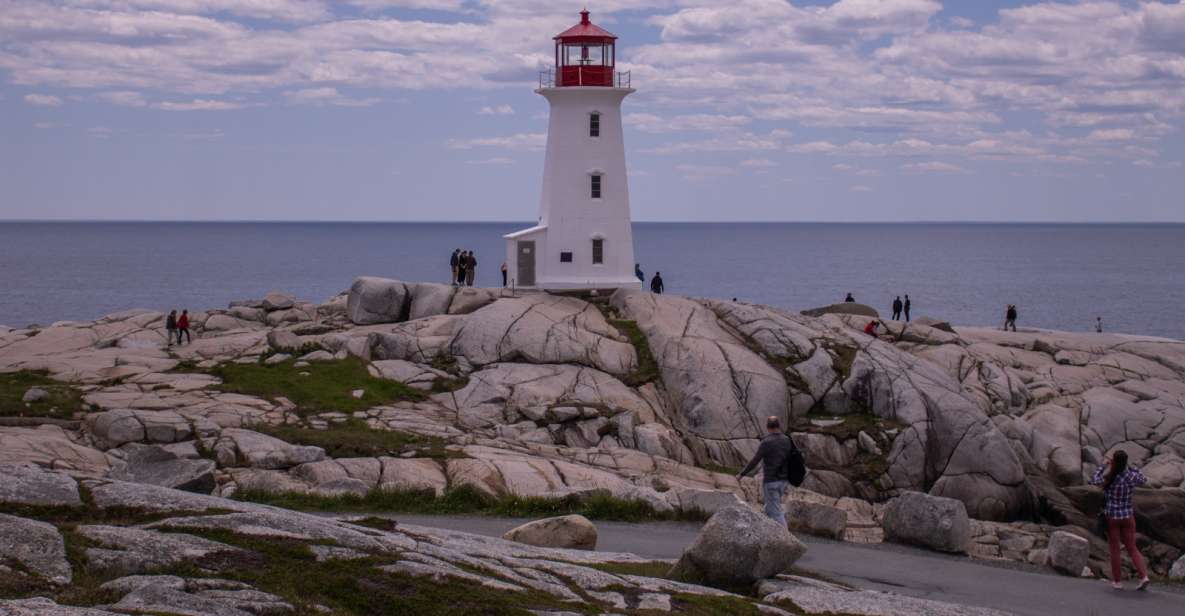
x=470, y=269
x=774, y=456
x=849, y=298
x=638, y=272
x=462, y=263
x=1098, y=325
x=503, y=274
x=171, y=326
x=908, y=305
x=455, y=262
x=656, y=285
x=1010, y=317
x=897, y=306
x=183, y=327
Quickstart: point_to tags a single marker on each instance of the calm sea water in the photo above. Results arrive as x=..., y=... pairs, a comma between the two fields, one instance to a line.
x=1060, y=276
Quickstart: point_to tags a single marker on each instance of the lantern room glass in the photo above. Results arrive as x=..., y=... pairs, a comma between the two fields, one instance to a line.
x=585, y=63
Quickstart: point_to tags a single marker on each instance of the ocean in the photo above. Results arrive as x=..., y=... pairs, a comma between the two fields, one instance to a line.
x=1060, y=276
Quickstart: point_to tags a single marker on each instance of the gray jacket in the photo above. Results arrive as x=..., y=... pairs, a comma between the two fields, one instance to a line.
x=773, y=454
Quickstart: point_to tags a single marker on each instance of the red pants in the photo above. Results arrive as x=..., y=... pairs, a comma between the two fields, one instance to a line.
x=1125, y=529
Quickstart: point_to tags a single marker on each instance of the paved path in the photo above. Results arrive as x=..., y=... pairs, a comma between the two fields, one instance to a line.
x=898, y=569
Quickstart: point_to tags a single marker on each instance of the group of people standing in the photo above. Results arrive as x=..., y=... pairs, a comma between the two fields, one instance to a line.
x=656, y=284
x=900, y=307
x=177, y=326
x=464, y=264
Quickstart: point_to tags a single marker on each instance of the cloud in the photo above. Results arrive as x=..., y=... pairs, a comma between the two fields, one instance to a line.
x=124, y=99
x=43, y=100
x=854, y=170
x=517, y=142
x=758, y=163
x=697, y=172
x=48, y=125
x=933, y=167
x=198, y=104
x=99, y=132
x=327, y=96
x=499, y=110
x=861, y=188
x=285, y=10
x=1111, y=134
x=651, y=123
x=496, y=160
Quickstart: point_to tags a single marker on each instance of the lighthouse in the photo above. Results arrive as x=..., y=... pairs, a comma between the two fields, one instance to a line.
x=583, y=240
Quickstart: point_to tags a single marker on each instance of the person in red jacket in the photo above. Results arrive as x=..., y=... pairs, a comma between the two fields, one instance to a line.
x=183, y=327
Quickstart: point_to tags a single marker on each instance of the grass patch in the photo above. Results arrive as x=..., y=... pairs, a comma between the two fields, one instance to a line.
x=654, y=568
x=353, y=438
x=720, y=468
x=63, y=401
x=647, y=371
x=467, y=500
x=327, y=387
x=358, y=588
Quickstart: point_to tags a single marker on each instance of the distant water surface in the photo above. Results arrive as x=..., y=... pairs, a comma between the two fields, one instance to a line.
x=1060, y=276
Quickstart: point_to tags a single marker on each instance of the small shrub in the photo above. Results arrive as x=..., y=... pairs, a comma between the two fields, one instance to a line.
x=64, y=400
x=327, y=387
x=354, y=438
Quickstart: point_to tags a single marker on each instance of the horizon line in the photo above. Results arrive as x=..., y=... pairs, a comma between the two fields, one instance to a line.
x=507, y=222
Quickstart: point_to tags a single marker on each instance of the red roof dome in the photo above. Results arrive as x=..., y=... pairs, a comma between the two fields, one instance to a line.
x=585, y=32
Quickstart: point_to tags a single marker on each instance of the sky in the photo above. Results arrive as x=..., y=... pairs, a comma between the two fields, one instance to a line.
x=747, y=110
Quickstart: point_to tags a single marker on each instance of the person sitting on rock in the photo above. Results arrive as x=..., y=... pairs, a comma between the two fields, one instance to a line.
x=774, y=456
x=849, y=299
x=871, y=328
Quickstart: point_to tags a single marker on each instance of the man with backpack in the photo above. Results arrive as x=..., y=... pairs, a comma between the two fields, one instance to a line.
x=782, y=464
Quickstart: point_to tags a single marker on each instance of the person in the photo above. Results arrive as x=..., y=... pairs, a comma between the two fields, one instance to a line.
x=462, y=261
x=849, y=298
x=1010, y=317
x=455, y=262
x=870, y=329
x=908, y=305
x=1098, y=325
x=503, y=274
x=897, y=306
x=638, y=272
x=656, y=285
x=1118, y=481
x=183, y=327
x=171, y=326
x=470, y=269
x=774, y=456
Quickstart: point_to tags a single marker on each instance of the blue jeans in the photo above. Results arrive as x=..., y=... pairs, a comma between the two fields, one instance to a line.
x=773, y=492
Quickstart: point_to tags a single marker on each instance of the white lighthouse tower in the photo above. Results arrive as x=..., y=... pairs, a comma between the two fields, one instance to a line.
x=583, y=240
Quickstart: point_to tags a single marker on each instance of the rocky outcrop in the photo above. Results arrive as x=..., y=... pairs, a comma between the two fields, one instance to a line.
x=929, y=521
x=738, y=546
x=238, y=447
x=36, y=547
x=163, y=467
x=852, y=308
x=569, y=531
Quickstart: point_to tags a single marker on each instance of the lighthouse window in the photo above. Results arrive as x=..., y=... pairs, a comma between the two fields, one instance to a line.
x=598, y=252
x=596, y=186
x=566, y=256
x=594, y=125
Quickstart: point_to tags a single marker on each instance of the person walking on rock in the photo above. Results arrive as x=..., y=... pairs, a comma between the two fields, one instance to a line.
x=656, y=285
x=470, y=269
x=907, y=306
x=171, y=326
x=638, y=272
x=1010, y=317
x=1098, y=325
x=183, y=328
x=774, y=456
x=504, y=275
x=1119, y=481
x=897, y=306
x=455, y=262
x=462, y=260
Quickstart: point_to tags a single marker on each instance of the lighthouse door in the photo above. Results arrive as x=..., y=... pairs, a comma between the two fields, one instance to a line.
x=526, y=264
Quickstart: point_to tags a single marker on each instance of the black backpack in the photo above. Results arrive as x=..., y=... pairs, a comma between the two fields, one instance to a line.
x=795, y=466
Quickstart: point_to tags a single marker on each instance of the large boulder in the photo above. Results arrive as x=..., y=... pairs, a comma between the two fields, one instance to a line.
x=738, y=546
x=41, y=606
x=134, y=550
x=843, y=308
x=378, y=300
x=238, y=447
x=35, y=546
x=569, y=531
x=1068, y=553
x=50, y=447
x=159, y=466
x=816, y=518
x=1177, y=571
x=278, y=301
x=930, y=521
x=27, y=484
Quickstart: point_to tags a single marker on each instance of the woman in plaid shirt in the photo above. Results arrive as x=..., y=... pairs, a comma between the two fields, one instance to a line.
x=1118, y=481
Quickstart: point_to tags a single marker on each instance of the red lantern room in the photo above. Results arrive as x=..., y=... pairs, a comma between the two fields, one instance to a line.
x=584, y=55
